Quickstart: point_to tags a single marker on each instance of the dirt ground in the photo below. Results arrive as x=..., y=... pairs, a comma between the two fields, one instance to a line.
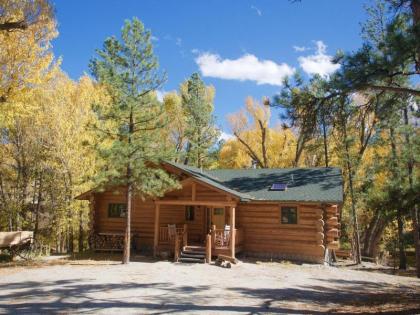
x=160, y=287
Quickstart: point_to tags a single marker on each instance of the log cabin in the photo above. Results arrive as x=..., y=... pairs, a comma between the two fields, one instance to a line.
x=269, y=213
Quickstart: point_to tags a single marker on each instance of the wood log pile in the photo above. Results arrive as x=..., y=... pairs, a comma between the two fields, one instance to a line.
x=106, y=241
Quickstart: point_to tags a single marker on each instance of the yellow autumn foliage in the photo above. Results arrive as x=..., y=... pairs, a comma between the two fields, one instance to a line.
x=256, y=140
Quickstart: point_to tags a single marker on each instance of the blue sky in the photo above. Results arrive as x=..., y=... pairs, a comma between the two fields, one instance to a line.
x=241, y=47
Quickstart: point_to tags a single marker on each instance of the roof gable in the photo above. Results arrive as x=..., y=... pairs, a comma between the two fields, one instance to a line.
x=206, y=178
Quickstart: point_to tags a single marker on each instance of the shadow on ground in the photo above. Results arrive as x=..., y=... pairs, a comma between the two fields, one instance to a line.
x=331, y=296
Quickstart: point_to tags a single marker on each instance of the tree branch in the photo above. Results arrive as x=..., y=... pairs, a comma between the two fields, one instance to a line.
x=250, y=151
x=392, y=89
x=12, y=26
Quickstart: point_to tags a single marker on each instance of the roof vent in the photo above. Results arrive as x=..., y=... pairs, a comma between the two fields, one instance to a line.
x=278, y=187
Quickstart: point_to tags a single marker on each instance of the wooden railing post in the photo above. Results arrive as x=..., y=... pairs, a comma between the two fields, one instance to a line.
x=176, y=251
x=185, y=235
x=213, y=235
x=208, y=248
x=232, y=232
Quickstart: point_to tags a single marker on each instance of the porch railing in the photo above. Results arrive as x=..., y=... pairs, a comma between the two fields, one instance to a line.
x=164, y=237
x=221, y=238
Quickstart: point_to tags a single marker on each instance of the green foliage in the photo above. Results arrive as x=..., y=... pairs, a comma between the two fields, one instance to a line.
x=389, y=58
x=128, y=127
x=202, y=135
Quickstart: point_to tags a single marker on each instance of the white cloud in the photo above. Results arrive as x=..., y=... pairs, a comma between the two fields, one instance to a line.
x=178, y=41
x=300, y=48
x=154, y=38
x=258, y=11
x=319, y=63
x=225, y=136
x=247, y=67
x=160, y=94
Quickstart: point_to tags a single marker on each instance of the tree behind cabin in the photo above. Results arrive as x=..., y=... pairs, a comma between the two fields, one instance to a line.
x=197, y=101
x=128, y=129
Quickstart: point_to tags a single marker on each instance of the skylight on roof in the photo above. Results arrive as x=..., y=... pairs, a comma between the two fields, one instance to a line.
x=278, y=187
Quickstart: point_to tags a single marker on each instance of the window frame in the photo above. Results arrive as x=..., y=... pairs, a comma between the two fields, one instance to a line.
x=188, y=218
x=281, y=215
x=123, y=212
x=223, y=212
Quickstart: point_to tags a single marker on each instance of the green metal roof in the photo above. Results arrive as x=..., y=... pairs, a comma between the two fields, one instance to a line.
x=303, y=184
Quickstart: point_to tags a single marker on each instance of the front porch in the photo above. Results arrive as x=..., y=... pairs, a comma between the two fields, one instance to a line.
x=212, y=231
x=199, y=215
x=217, y=243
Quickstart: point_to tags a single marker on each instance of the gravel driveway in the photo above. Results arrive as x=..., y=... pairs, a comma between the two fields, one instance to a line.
x=150, y=287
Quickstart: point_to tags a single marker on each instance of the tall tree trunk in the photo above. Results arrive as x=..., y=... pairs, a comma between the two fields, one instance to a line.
x=187, y=153
x=324, y=134
x=263, y=143
x=62, y=242
x=38, y=206
x=300, y=146
x=397, y=176
x=81, y=233
x=356, y=235
x=401, y=247
x=373, y=234
x=415, y=9
x=252, y=154
x=410, y=165
x=127, y=236
x=70, y=237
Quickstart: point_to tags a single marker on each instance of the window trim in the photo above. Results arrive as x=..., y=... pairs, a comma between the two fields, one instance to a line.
x=193, y=213
x=116, y=203
x=281, y=206
x=219, y=208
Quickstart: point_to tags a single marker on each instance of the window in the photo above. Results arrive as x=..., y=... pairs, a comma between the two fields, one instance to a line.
x=189, y=213
x=288, y=215
x=218, y=211
x=117, y=210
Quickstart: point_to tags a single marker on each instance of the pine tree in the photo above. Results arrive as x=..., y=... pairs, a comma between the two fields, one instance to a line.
x=388, y=62
x=128, y=128
x=307, y=107
x=197, y=101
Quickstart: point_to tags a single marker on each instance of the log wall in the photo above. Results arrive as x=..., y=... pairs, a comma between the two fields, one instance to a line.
x=142, y=217
x=143, y=214
x=266, y=236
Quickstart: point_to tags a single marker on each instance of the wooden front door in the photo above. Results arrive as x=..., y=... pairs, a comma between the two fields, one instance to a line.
x=218, y=216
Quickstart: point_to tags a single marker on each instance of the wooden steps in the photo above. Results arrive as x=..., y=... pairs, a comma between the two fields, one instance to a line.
x=193, y=254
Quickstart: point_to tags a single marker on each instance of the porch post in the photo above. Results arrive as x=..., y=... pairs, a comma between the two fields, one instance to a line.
x=232, y=232
x=156, y=234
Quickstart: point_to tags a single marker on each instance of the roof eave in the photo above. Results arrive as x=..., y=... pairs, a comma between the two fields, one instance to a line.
x=225, y=189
